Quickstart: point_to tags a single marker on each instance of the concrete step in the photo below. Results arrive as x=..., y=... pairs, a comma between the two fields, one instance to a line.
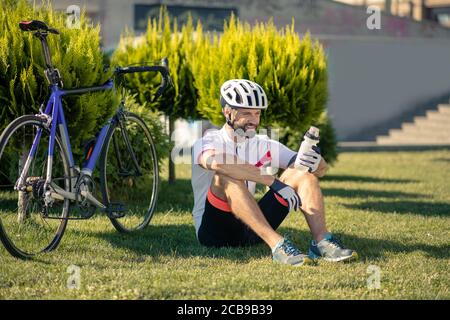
x=406, y=137
x=424, y=120
x=423, y=129
x=421, y=136
x=388, y=140
x=444, y=108
x=438, y=115
x=433, y=129
x=426, y=126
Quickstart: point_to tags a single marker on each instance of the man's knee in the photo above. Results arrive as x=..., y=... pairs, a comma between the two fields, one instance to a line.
x=225, y=181
x=309, y=179
x=296, y=178
x=224, y=184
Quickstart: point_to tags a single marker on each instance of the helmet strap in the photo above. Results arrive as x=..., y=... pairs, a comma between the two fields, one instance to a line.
x=229, y=122
x=240, y=132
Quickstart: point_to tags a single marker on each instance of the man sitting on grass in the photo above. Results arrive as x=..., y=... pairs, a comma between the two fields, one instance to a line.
x=226, y=166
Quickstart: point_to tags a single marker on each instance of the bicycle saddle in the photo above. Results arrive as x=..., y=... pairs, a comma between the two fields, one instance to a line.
x=36, y=25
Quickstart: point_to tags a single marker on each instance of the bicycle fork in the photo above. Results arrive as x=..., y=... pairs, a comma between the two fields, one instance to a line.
x=130, y=150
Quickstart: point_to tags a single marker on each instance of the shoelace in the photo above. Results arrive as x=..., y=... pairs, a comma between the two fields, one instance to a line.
x=289, y=248
x=336, y=243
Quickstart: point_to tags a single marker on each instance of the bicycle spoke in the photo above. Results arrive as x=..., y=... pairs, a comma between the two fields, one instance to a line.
x=130, y=179
x=25, y=230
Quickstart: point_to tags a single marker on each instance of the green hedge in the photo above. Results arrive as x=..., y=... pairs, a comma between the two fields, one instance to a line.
x=77, y=55
x=75, y=52
x=152, y=119
x=292, y=71
x=162, y=39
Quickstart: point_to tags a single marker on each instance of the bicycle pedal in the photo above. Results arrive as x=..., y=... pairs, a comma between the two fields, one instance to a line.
x=115, y=210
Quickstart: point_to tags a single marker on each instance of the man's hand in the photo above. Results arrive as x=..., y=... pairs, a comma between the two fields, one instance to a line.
x=287, y=193
x=310, y=158
x=322, y=169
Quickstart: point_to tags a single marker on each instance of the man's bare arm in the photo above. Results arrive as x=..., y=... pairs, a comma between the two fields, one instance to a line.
x=233, y=167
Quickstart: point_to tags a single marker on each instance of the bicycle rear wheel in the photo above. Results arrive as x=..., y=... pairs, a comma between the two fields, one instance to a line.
x=27, y=226
x=129, y=173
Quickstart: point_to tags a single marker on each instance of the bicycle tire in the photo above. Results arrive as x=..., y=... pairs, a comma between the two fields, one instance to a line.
x=10, y=244
x=110, y=180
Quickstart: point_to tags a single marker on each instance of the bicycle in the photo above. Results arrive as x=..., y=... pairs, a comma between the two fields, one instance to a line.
x=43, y=188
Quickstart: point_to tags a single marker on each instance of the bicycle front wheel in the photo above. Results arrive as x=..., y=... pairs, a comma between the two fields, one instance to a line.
x=27, y=225
x=129, y=173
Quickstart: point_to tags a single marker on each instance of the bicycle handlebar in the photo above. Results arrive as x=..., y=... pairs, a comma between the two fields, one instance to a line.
x=163, y=69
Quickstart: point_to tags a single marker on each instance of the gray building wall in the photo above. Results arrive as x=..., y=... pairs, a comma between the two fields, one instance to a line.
x=375, y=85
x=377, y=77
x=320, y=17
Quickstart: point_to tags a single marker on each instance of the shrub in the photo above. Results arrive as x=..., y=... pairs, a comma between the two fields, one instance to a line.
x=291, y=70
x=75, y=52
x=162, y=39
x=152, y=119
x=77, y=55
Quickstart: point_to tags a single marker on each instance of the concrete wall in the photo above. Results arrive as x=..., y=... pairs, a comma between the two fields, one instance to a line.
x=375, y=85
x=320, y=17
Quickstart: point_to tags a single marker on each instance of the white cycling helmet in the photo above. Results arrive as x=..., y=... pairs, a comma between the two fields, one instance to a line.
x=242, y=93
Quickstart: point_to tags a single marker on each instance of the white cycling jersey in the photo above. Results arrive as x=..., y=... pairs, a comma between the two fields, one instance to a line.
x=259, y=151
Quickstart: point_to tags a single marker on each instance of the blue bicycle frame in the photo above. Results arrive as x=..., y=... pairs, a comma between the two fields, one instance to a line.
x=55, y=110
x=54, y=114
x=54, y=117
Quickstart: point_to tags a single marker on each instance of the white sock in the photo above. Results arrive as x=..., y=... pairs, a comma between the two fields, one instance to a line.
x=279, y=243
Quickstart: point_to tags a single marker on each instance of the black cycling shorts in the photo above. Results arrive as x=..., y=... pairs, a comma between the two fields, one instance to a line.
x=221, y=228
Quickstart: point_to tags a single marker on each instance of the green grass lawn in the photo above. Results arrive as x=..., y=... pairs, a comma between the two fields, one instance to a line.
x=392, y=207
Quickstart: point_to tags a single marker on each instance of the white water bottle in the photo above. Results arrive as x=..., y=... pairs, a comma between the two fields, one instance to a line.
x=310, y=139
